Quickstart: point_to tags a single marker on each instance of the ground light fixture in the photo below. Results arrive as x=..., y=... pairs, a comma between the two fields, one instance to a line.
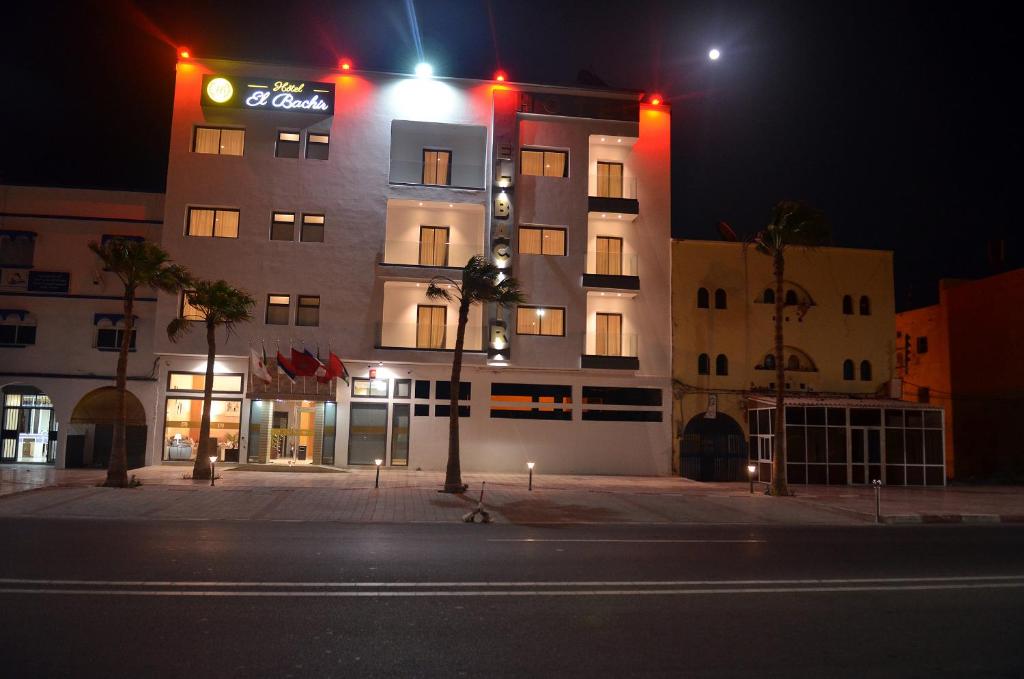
x=213, y=470
x=750, y=473
x=714, y=54
x=376, y=482
x=424, y=70
x=529, y=465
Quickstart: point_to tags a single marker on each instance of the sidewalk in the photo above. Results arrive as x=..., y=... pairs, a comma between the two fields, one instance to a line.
x=411, y=496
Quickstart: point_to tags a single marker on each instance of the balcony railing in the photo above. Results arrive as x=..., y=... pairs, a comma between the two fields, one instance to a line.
x=607, y=186
x=611, y=264
x=458, y=176
x=414, y=253
x=611, y=350
x=425, y=337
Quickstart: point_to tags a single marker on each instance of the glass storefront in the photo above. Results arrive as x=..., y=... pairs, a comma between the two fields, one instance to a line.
x=29, y=428
x=286, y=431
x=182, y=422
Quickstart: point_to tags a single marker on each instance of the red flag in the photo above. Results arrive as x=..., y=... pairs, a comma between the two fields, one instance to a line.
x=335, y=368
x=305, y=364
x=286, y=367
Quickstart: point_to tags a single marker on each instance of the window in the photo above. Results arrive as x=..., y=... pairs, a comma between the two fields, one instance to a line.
x=609, y=256
x=703, y=365
x=865, y=371
x=221, y=141
x=621, y=396
x=531, y=320
x=720, y=299
x=544, y=163
x=609, y=180
x=433, y=246
x=431, y=323
x=183, y=420
x=443, y=390
x=922, y=345
x=769, y=362
x=308, y=311
x=608, y=341
x=791, y=299
x=212, y=223
x=312, y=228
x=848, y=369
x=847, y=305
x=703, y=300
x=282, y=226
x=865, y=306
x=793, y=362
x=368, y=388
x=278, y=309
x=768, y=297
x=16, y=330
x=187, y=310
x=924, y=394
x=230, y=383
x=445, y=411
x=317, y=145
x=437, y=167
x=422, y=389
x=109, y=339
x=534, y=240
x=531, y=401
x=17, y=249
x=721, y=365
x=287, y=144
x=403, y=388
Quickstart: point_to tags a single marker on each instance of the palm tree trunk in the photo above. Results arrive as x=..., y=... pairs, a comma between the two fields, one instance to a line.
x=201, y=468
x=779, y=485
x=117, y=466
x=453, y=474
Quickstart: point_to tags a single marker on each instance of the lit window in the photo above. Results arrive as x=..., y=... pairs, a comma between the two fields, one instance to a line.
x=369, y=388
x=317, y=145
x=431, y=324
x=278, y=309
x=287, y=144
x=534, y=240
x=609, y=256
x=212, y=223
x=609, y=180
x=186, y=381
x=312, y=228
x=308, y=312
x=532, y=320
x=437, y=167
x=219, y=141
x=433, y=246
x=544, y=163
x=187, y=310
x=282, y=226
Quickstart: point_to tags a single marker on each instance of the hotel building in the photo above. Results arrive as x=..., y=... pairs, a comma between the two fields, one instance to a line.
x=333, y=198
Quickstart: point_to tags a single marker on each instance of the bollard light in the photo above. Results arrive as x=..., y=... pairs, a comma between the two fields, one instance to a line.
x=213, y=468
x=750, y=473
x=529, y=465
x=877, y=483
x=376, y=482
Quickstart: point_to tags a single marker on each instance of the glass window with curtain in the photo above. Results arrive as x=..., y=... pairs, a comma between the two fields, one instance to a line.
x=609, y=256
x=187, y=311
x=431, y=321
x=544, y=163
x=282, y=226
x=437, y=167
x=532, y=320
x=318, y=145
x=535, y=240
x=609, y=180
x=609, y=335
x=287, y=144
x=219, y=141
x=433, y=246
x=312, y=228
x=278, y=309
x=212, y=223
x=308, y=311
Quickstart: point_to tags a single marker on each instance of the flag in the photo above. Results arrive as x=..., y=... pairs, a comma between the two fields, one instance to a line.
x=335, y=368
x=305, y=364
x=320, y=373
x=258, y=368
x=323, y=375
x=286, y=367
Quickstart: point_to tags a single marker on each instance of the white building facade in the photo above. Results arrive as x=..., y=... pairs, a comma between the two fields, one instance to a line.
x=334, y=198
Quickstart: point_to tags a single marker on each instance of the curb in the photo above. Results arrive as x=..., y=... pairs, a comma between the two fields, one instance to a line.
x=952, y=518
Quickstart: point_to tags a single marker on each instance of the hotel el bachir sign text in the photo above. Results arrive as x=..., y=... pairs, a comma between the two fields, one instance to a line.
x=265, y=94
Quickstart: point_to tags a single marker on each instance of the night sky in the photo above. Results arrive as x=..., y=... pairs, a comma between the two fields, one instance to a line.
x=894, y=119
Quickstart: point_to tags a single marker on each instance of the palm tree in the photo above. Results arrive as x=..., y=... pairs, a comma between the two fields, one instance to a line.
x=793, y=223
x=480, y=284
x=137, y=264
x=216, y=303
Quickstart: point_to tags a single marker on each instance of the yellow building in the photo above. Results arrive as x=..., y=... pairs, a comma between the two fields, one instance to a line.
x=839, y=325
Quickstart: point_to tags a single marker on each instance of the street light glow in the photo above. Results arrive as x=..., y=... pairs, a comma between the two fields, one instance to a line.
x=714, y=54
x=424, y=70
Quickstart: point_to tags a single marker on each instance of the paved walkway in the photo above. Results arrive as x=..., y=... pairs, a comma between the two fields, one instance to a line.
x=411, y=496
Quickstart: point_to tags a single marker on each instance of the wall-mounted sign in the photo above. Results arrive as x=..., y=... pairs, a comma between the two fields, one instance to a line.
x=49, y=281
x=13, y=279
x=267, y=94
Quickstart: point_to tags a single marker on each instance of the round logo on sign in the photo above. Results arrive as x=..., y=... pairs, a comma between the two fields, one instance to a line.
x=219, y=90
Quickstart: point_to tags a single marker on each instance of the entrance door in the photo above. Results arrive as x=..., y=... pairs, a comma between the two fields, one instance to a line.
x=368, y=433
x=608, y=341
x=278, y=439
x=865, y=455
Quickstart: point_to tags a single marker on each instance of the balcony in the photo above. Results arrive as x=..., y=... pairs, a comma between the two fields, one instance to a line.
x=410, y=320
x=424, y=337
x=611, y=350
x=438, y=155
x=607, y=270
x=426, y=238
x=427, y=254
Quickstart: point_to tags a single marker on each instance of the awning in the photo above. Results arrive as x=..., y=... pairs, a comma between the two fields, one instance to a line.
x=762, y=401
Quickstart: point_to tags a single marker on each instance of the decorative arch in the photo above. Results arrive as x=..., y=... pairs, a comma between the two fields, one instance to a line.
x=91, y=429
x=703, y=299
x=848, y=369
x=713, y=449
x=865, y=371
x=721, y=299
x=792, y=356
x=703, y=365
x=721, y=364
x=29, y=425
x=99, y=406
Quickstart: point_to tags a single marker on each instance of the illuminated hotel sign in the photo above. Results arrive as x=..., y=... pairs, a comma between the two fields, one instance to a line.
x=263, y=94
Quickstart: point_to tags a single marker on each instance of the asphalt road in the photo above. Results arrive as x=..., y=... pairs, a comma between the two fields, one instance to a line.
x=252, y=599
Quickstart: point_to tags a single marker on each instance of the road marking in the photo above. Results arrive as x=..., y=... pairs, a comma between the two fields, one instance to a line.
x=624, y=540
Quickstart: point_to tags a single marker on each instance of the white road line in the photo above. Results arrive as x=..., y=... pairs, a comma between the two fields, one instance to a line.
x=623, y=540
x=523, y=593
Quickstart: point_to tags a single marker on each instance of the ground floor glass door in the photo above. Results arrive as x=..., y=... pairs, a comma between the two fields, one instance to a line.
x=368, y=433
x=865, y=455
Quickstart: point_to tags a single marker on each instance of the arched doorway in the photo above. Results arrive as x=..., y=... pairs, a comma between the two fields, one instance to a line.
x=713, y=449
x=91, y=431
x=29, y=433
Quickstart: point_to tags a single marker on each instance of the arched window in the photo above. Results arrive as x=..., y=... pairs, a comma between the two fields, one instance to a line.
x=702, y=298
x=848, y=369
x=769, y=362
x=703, y=365
x=865, y=371
x=769, y=296
x=847, y=305
x=720, y=298
x=865, y=306
x=793, y=363
x=791, y=298
x=721, y=365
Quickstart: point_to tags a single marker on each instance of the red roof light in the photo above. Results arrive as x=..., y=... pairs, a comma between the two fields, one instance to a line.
x=345, y=64
x=184, y=53
x=655, y=99
x=500, y=76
